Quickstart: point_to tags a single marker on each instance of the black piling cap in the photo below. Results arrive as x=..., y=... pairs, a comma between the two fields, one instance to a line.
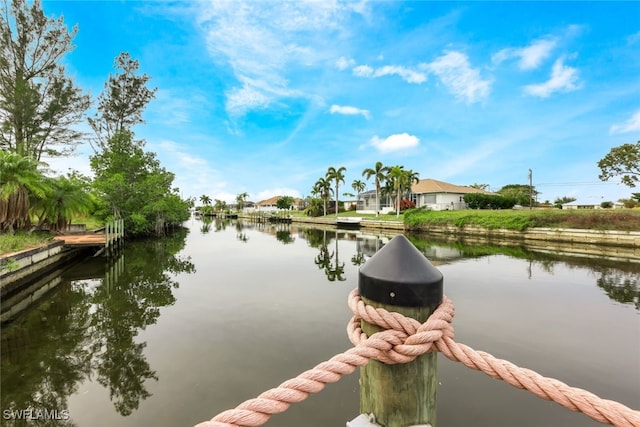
x=399, y=274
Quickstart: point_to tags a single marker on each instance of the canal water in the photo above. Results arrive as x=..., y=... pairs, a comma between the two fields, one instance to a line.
x=174, y=331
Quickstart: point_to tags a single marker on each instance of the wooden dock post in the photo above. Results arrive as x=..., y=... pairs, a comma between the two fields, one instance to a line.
x=400, y=278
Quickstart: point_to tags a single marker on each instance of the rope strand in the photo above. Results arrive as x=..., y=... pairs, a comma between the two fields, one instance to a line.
x=402, y=340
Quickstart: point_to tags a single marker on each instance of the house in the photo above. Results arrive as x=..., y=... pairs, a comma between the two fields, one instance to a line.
x=367, y=202
x=582, y=204
x=440, y=195
x=430, y=193
x=270, y=204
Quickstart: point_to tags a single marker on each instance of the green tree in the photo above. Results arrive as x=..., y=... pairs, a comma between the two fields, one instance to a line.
x=219, y=205
x=65, y=198
x=337, y=176
x=323, y=189
x=379, y=173
x=134, y=185
x=400, y=181
x=558, y=202
x=358, y=186
x=206, y=200
x=241, y=199
x=284, y=202
x=622, y=161
x=20, y=183
x=480, y=186
x=39, y=104
x=520, y=192
x=123, y=100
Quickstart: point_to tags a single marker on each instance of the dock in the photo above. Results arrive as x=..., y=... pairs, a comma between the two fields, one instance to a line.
x=108, y=238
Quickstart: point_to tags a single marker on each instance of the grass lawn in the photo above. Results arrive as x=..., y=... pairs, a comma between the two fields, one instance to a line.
x=22, y=240
x=600, y=219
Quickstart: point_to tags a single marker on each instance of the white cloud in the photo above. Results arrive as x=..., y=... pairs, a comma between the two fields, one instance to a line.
x=530, y=56
x=262, y=41
x=343, y=63
x=456, y=74
x=631, y=125
x=406, y=74
x=563, y=79
x=395, y=142
x=363, y=71
x=246, y=98
x=349, y=111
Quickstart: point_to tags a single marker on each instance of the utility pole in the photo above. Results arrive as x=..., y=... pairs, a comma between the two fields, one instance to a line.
x=530, y=189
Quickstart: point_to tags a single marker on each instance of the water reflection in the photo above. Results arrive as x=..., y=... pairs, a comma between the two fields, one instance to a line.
x=88, y=328
x=97, y=326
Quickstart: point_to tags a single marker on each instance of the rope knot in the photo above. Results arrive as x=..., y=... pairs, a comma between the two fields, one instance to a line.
x=402, y=338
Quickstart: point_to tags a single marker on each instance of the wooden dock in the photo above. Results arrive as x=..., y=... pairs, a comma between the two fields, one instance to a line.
x=79, y=240
x=111, y=237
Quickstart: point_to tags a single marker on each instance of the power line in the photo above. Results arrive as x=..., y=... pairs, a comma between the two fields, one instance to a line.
x=570, y=184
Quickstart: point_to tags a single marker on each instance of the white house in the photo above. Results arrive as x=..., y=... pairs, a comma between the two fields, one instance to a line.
x=430, y=193
x=581, y=204
x=441, y=196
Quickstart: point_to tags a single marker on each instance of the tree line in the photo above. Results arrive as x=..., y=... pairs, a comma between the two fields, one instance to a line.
x=40, y=110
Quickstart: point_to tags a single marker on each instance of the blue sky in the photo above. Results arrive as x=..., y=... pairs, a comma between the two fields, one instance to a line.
x=263, y=96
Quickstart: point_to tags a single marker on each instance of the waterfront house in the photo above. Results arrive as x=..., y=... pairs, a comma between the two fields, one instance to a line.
x=430, y=193
x=440, y=195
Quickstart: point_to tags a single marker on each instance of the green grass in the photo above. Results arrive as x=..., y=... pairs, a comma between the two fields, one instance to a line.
x=609, y=219
x=22, y=240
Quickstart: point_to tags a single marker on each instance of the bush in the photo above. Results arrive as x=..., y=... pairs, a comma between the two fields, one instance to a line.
x=488, y=201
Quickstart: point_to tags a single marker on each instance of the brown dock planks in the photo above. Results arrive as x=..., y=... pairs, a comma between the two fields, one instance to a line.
x=90, y=239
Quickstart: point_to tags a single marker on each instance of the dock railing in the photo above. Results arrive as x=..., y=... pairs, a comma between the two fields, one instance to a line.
x=401, y=319
x=114, y=234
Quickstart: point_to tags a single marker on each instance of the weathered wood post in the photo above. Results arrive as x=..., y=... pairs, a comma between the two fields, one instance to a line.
x=400, y=278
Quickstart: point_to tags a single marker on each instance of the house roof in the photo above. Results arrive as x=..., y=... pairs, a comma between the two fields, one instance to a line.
x=435, y=186
x=271, y=201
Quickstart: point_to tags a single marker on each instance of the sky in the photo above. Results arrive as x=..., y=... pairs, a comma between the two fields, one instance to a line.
x=263, y=97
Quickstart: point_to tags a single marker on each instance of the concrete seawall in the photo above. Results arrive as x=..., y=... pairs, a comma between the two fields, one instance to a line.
x=19, y=267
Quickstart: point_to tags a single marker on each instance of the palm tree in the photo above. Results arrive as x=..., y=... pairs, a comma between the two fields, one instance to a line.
x=19, y=181
x=240, y=199
x=400, y=180
x=65, y=199
x=336, y=175
x=322, y=187
x=358, y=186
x=379, y=173
x=206, y=200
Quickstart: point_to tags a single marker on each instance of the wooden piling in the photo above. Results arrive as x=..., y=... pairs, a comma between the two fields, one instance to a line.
x=399, y=278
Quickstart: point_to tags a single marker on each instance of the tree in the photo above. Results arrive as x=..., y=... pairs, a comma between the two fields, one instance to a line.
x=65, y=198
x=399, y=181
x=480, y=186
x=358, y=186
x=336, y=175
x=623, y=161
x=323, y=189
x=241, y=200
x=20, y=183
x=379, y=173
x=206, y=200
x=562, y=200
x=39, y=104
x=123, y=100
x=134, y=186
x=520, y=192
x=284, y=202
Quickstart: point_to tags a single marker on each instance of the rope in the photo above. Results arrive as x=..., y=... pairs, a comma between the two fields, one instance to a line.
x=402, y=340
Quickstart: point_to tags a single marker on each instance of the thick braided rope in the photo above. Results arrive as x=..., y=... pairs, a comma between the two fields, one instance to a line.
x=402, y=341
x=575, y=399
